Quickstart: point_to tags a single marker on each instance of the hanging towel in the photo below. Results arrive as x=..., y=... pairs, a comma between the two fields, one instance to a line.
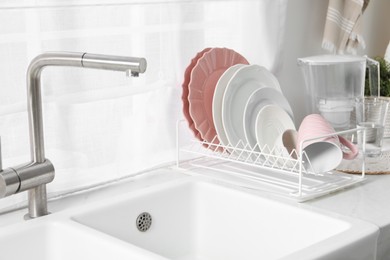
x=387, y=54
x=343, y=26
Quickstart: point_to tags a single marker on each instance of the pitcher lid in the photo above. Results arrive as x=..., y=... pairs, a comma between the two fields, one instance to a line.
x=330, y=59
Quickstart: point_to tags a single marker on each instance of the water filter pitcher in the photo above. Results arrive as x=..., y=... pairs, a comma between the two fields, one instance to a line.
x=333, y=82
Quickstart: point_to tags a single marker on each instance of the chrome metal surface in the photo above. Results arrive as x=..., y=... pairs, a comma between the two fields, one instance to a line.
x=95, y=61
x=117, y=63
x=34, y=175
x=9, y=182
x=144, y=221
x=37, y=202
x=34, y=96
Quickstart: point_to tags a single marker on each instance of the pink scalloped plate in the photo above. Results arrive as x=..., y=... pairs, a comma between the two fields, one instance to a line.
x=204, y=78
x=184, y=97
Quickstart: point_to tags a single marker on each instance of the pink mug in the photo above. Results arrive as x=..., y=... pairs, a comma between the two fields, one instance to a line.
x=324, y=153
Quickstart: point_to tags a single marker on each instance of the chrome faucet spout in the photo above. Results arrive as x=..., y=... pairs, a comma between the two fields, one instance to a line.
x=117, y=63
x=34, y=175
x=72, y=59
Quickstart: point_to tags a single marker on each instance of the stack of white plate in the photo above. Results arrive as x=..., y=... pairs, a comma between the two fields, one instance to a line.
x=234, y=104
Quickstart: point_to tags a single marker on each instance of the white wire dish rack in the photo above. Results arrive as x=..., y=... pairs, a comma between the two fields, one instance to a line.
x=261, y=168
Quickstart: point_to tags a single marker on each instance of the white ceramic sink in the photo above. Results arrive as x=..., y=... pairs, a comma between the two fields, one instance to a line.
x=58, y=240
x=193, y=220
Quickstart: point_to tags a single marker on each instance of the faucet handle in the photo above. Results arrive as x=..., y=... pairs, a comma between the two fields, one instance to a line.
x=9, y=180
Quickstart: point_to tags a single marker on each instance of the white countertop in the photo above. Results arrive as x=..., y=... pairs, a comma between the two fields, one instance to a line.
x=368, y=201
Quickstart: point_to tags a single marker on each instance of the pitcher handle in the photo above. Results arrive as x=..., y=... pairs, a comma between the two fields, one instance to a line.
x=373, y=77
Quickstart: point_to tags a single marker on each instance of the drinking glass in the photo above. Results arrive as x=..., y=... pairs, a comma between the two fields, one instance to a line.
x=371, y=115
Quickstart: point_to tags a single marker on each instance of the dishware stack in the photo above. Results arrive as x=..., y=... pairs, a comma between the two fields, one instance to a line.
x=200, y=79
x=235, y=107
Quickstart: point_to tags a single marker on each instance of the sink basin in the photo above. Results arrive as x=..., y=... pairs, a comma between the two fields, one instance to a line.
x=197, y=220
x=43, y=240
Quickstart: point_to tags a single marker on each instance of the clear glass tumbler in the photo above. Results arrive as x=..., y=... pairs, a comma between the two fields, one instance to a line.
x=371, y=114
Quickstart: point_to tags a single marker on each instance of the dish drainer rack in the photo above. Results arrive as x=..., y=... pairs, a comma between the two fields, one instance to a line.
x=267, y=169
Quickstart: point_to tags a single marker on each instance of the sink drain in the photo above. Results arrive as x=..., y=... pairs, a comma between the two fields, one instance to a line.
x=144, y=221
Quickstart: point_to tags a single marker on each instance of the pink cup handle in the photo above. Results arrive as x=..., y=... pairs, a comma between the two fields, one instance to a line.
x=354, y=151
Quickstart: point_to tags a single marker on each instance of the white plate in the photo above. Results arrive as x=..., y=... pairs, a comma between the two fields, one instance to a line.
x=259, y=99
x=217, y=102
x=271, y=121
x=244, y=82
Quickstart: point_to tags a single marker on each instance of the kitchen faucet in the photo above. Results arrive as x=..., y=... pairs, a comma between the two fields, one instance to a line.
x=33, y=176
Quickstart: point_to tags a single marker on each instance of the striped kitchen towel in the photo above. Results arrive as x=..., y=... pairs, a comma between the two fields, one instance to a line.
x=387, y=54
x=343, y=26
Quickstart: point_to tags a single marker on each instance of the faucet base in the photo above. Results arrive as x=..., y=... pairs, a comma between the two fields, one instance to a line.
x=37, y=202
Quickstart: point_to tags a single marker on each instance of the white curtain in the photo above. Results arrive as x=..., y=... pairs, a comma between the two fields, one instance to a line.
x=99, y=125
